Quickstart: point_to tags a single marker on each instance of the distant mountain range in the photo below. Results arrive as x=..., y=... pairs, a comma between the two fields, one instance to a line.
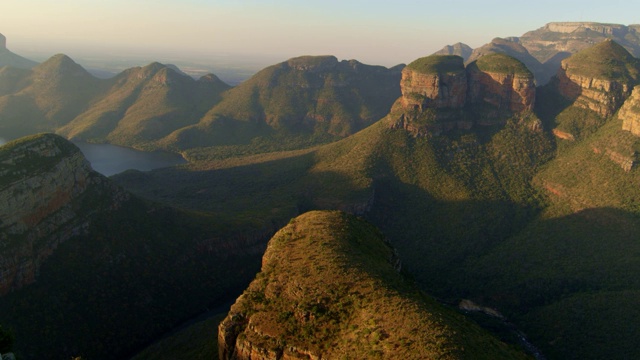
x=100, y=271
x=543, y=49
x=515, y=204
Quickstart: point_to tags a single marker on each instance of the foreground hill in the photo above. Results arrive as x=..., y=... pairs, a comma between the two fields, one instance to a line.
x=90, y=270
x=329, y=288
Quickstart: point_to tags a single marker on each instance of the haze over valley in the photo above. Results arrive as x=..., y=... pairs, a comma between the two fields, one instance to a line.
x=376, y=182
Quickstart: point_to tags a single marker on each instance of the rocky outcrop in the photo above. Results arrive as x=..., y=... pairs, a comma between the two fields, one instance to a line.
x=45, y=199
x=599, y=78
x=626, y=162
x=439, y=94
x=570, y=27
x=434, y=92
x=3, y=42
x=629, y=113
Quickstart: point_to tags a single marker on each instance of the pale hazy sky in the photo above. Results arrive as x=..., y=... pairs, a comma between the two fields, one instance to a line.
x=373, y=31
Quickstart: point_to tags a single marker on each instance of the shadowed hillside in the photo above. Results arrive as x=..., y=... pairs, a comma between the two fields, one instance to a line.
x=305, y=100
x=90, y=270
x=8, y=58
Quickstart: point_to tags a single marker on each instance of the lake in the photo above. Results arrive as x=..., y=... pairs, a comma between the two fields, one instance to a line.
x=110, y=159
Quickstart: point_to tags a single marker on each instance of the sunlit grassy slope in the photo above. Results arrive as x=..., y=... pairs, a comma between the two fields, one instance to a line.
x=328, y=286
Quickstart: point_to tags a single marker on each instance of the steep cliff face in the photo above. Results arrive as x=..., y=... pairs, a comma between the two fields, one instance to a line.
x=503, y=83
x=330, y=288
x=45, y=198
x=442, y=85
x=434, y=92
x=599, y=78
x=440, y=95
x=630, y=113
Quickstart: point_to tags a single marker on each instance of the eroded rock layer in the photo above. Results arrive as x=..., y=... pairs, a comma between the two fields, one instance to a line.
x=46, y=193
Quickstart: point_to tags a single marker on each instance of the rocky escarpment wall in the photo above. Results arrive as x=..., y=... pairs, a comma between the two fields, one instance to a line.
x=630, y=113
x=441, y=98
x=45, y=189
x=599, y=78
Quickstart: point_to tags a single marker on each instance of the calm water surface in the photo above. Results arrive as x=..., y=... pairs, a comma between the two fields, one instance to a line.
x=110, y=159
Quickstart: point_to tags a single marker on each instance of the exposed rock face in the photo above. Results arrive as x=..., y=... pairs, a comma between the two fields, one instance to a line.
x=7, y=58
x=459, y=49
x=626, y=162
x=313, y=63
x=503, y=91
x=630, y=113
x=44, y=183
x=556, y=41
x=599, y=78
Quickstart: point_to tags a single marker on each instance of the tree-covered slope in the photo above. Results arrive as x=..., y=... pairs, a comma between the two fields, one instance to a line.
x=510, y=215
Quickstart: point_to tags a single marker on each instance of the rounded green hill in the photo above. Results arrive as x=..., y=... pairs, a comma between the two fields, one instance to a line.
x=502, y=64
x=606, y=60
x=438, y=64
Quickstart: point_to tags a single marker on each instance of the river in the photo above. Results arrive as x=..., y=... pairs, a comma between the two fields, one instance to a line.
x=110, y=159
